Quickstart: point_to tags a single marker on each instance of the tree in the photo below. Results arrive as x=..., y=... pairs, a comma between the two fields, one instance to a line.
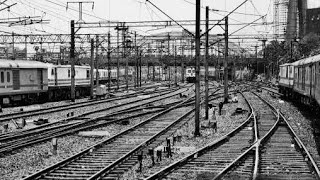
x=309, y=45
x=275, y=53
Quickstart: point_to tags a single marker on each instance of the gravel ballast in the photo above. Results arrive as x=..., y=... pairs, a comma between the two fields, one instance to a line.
x=301, y=124
x=226, y=123
x=26, y=161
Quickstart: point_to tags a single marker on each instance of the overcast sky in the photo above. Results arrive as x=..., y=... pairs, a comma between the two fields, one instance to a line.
x=140, y=10
x=127, y=10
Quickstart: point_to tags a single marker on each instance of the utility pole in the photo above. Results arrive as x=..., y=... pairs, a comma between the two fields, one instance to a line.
x=26, y=49
x=91, y=68
x=13, y=52
x=97, y=60
x=118, y=52
x=136, y=66
x=175, y=64
x=225, y=63
x=123, y=29
x=72, y=56
x=149, y=54
x=264, y=54
x=160, y=65
x=256, y=49
x=41, y=54
x=182, y=65
x=206, y=65
x=168, y=67
x=124, y=55
x=108, y=57
x=140, y=69
x=218, y=61
x=197, y=68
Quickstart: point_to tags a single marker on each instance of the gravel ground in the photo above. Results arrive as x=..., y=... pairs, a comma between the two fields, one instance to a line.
x=56, y=116
x=301, y=124
x=41, y=106
x=29, y=160
x=32, y=159
x=226, y=123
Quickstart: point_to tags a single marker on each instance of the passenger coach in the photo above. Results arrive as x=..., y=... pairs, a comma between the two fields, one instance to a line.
x=22, y=81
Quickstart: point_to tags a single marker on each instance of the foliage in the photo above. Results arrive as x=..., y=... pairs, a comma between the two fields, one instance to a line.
x=309, y=45
x=274, y=51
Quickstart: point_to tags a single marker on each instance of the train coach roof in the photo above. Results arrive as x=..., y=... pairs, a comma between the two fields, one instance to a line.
x=22, y=64
x=286, y=64
x=307, y=60
x=69, y=66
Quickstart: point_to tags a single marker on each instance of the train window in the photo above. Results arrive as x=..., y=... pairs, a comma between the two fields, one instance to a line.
x=290, y=70
x=306, y=72
x=2, y=77
x=88, y=73
x=52, y=71
x=8, y=76
x=69, y=73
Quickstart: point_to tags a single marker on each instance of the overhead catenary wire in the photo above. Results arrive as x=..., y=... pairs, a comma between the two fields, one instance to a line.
x=186, y=30
x=223, y=18
x=76, y=10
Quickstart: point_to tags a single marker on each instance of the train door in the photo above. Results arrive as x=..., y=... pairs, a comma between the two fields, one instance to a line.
x=40, y=78
x=312, y=80
x=55, y=76
x=16, y=79
x=5, y=78
x=303, y=80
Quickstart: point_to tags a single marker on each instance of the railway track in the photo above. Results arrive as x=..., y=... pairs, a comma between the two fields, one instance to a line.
x=257, y=149
x=36, y=112
x=14, y=141
x=65, y=121
x=105, y=156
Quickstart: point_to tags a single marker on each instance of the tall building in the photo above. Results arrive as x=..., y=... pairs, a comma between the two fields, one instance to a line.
x=313, y=21
x=290, y=19
x=280, y=18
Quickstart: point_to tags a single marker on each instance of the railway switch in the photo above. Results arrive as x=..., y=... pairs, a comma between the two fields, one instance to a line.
x=168, y=148
x=5, y=127
x=151, y=154
x=54, y=146
x=159, y=155
x=23, y=123
x=174, y=139
x=140, y=157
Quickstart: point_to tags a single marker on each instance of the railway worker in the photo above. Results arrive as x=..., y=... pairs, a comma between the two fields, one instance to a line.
x=212, y=117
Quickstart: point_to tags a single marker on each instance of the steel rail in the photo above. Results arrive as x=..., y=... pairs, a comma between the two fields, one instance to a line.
x=296, y=138
x=213, y=145
x=72, y=128
x=96, y=146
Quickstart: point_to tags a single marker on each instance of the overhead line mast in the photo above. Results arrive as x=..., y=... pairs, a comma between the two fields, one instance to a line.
x=197, y=68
